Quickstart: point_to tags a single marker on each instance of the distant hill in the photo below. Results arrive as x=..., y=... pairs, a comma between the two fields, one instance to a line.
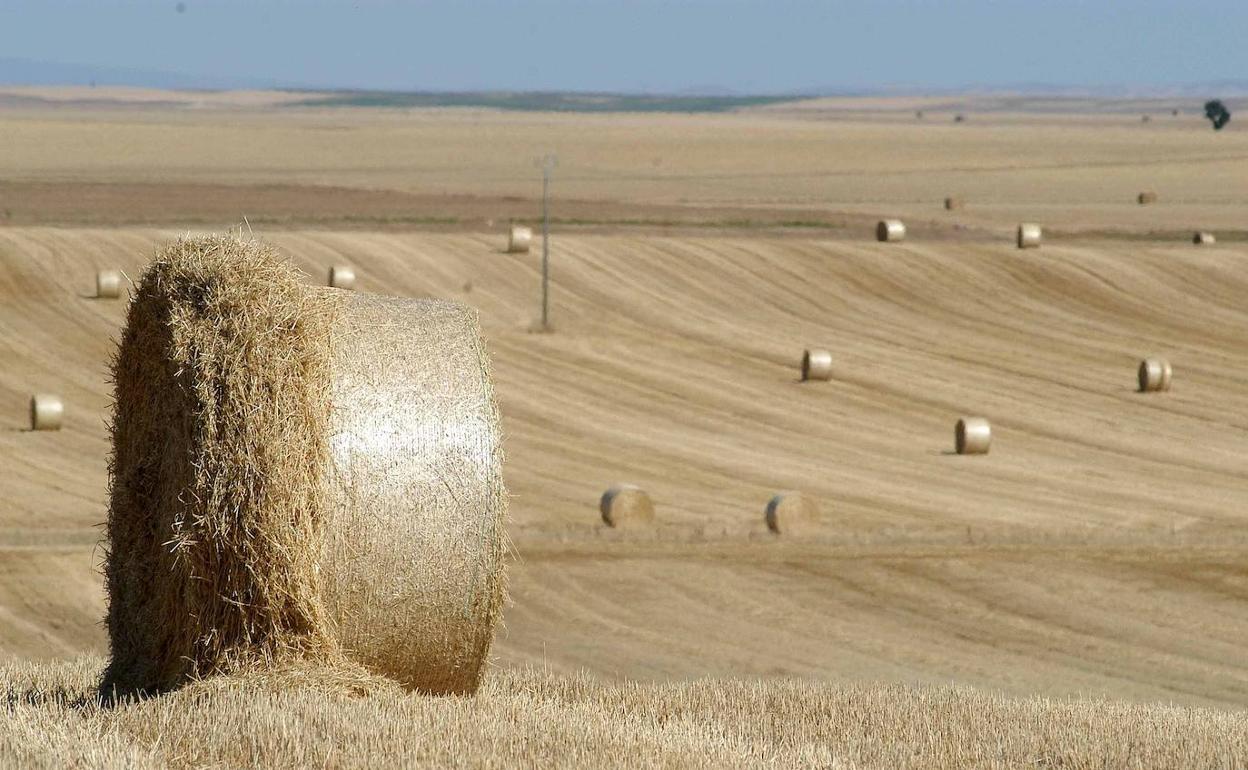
x=542, y=101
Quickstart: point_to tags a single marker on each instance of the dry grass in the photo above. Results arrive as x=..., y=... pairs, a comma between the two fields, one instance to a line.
x=526, y=718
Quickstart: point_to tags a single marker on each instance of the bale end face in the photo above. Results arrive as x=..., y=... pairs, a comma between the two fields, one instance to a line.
x=519, y=239
x=816, y=365
x=108, y=284
x=47, y=412
x=890, y=231
x=791, y=513
x=1029, y=236
x=342, y=277
x=1154, y=375
x=972, y=436
x=626, y=505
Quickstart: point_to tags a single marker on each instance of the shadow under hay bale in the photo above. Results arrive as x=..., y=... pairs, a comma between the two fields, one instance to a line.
x=626, y=505
x=279, y=498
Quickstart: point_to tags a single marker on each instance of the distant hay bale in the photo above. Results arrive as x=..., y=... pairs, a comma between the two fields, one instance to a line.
x=519, y=239
x=1154, y=375
x=1029, y=236
x=959, y=118
x=1203, y=239
x=816, y=365
x=1145, y=118
x=791, y=513
x=299, y=475
x=626, y=505
x=108, y=284
x=1146, y=197
x=46, y=412
x=890, y=231
x=342, y=277
x=972, y=436
x=953, y=202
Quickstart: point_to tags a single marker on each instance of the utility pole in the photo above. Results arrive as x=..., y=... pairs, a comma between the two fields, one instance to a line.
x=547, y=164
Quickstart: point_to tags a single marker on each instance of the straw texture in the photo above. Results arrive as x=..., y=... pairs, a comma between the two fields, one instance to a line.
x=816, y=365
x=46, y=412
x=972, y=436
x=108, y=284
x=890, y=231
x=626, y=505
x=518, y=239
x=791, y=513
x=1029, y=236
x=1154, y=375
x=342, y=277
x=237, y=464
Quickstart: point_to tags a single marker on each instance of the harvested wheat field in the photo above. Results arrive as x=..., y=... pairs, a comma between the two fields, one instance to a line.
x=1075, y=597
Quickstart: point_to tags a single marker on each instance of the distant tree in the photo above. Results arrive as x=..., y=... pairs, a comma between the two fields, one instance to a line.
x=1217, y=113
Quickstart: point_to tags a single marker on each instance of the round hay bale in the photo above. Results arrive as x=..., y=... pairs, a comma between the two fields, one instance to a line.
x=952, y=203
x=1154, y=375
x=972, y=436
x=342, y=277
x=1029, y=235
x=108, y=284
x=47, y=412
x=1147, y=197
x=519, y=239
x=1203, y=239
x=816, y=365
x=791, y=513
x=890, y=231
x=625, y=505
x=298, y=474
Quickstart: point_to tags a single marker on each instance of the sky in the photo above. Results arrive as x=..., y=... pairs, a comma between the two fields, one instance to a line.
x=673, y=46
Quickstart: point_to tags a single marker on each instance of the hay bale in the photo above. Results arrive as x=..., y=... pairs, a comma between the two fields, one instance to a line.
x=1029, y=236
x=1147, y=197
x=519, y=239
x=890, y=231
x=47, y=412
x=1154, y=375
x=108, y=284
x=972, y=436
x=1203, y=239
x=953, y=203
x=342, y=277
x=816, y=365
x=626, y=505
x=791, y=513
x=277, y=495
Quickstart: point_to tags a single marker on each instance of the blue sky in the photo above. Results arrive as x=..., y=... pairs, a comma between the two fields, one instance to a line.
x=633, y=45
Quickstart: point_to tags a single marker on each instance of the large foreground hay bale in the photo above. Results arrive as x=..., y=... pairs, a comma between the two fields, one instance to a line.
x=1029, y=235
x=298, y=474
x=816, y=365
x=1146, y=197
x=342, y=277
x=791, y=513
x=972, y=436
x=1203, y=239
x=626, y=505
x=108, y=284
x=890, y=231
x=519, y=239
x=1154, y=375
x=47, y=412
